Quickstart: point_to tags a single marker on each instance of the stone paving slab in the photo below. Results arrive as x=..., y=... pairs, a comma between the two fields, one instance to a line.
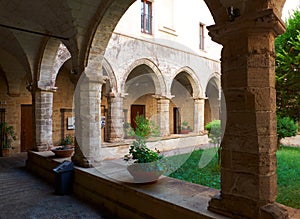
x=291, y=141
x=24, y=196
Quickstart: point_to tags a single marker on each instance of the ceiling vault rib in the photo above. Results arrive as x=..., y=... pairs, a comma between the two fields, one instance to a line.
x=34, y=32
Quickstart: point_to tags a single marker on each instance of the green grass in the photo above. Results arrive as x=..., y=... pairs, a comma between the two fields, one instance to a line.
x=288, y=171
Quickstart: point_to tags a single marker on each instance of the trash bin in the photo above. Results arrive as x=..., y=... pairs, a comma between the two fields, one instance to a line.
x=64, y=178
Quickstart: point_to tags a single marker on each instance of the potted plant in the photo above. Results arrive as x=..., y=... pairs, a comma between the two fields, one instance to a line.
x=8, y=136
x=66, y=149
x=146, y=166
x=185, y=128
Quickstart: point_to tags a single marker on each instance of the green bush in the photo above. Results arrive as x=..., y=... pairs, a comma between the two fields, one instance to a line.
x=213, y=126
x=215, y=134
x=214, y=131
x=286, y=127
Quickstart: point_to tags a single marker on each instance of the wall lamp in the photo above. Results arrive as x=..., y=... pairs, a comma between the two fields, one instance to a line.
x=234, y=8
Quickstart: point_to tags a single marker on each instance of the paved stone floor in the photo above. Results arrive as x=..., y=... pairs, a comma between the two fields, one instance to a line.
x=23, y=195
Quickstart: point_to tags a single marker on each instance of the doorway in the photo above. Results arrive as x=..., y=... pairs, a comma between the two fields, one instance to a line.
x=26, y=128
x=2, y=120
x=176, y=120
x=136, y=110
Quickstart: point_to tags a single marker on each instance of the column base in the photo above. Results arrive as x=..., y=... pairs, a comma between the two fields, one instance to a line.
x=41, y=148
x=238, y=208
x=80, y=160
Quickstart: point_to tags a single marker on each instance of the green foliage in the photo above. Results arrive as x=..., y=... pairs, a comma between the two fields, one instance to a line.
x=287, y=171
x=185, y=126
x=190, y=171
x=8, y=135
x=138, y=151
x=214, y=131
x=68, y=140
x=288, y=176
x=286, y=127
x=215, y=134
x=143, y=128
x=141, y=154
x=287, y=48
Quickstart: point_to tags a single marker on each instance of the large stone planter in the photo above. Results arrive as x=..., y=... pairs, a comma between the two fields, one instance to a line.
x=185, y=131
x=63, y=152
x=144, y=172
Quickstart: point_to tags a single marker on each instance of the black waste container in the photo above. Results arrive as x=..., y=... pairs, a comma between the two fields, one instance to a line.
x=64, y=178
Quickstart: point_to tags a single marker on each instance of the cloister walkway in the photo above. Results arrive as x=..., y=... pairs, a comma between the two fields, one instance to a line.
x=24, y=196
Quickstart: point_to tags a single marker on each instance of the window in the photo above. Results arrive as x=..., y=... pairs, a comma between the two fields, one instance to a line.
x=201, y=36
x=146, y=17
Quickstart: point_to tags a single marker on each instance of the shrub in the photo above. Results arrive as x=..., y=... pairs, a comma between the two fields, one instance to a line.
x=286, y=127
x=214, y=131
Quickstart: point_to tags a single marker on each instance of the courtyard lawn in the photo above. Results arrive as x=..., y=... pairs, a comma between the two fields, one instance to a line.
x=288, y=170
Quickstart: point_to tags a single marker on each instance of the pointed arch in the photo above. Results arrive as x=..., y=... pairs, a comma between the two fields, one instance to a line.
x=157, y=77
x=197, y=91
x=107, y=69
x=55, y=55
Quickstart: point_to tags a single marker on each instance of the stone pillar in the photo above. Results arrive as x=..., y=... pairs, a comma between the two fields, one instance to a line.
x=163, y=113
x=115, y=118
x=198, y=115
x=88, y=120
x=248, y=160
x=43, y=119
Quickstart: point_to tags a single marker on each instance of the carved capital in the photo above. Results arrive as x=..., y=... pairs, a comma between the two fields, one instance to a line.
x=261, y=22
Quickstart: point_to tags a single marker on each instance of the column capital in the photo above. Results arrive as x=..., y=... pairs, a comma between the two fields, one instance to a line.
x=160, y=97
x=199, y=98
x=116, y=95
x=262, y=21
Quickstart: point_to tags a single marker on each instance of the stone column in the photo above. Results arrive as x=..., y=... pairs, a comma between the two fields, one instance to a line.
x=198, y=115
x=115, y=118
x=163, y=112
x=248, y=160
x=43, y=119
x=87, y=120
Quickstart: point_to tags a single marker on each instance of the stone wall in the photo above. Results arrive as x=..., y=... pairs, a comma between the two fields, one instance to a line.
x=12, y=106
x=62, y=101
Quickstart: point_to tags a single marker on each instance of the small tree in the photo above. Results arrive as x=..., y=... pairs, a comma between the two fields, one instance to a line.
x=286, y=127
x=214, y=133
x=138, y=151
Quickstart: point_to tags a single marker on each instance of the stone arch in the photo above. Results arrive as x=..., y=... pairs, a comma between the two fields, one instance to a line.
x=102, y=31
x=197, y=91
x=55, y=55
x=107, y=69
x=14, y=62
x=157, y=77
x=214, y=80
x=213, y=97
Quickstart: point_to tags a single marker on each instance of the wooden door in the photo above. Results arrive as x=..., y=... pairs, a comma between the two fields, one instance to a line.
x=176, y=120
x=26, y=128
x=136, y=110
